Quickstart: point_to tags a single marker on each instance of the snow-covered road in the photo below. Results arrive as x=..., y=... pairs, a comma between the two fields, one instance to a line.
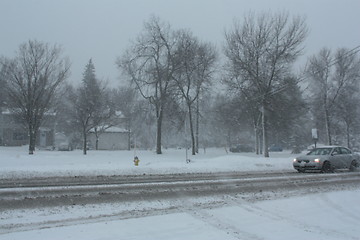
x=63, y=207
x=306, y=210
x=310, y=214
x=40, y=194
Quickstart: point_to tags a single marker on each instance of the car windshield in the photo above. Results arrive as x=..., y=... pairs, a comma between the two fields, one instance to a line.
x=320, y=151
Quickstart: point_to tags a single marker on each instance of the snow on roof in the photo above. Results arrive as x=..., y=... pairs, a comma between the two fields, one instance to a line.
x=6, y=111
x=119, y=114
x=116, y=129
x=112, y=130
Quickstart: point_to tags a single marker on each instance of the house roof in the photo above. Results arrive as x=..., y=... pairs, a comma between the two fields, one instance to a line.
x=7, y=111
x=113, y=130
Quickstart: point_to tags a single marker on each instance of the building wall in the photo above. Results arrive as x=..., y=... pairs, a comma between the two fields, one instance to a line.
x=110, y=140
x=45, y=138
x=13, y=133
x=14, y=137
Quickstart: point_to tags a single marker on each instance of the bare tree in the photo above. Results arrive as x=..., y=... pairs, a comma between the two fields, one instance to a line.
x=348, y=111
x=33, y=78
x=90, y=106
x=150, y=64
x=106, y=116
x=196, y=61
x=330, y=75
x=126, y=100
x=260, y=51
x=251, y=103
x=2, y=84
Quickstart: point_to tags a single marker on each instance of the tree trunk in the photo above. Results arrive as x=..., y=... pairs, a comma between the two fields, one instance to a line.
x=327, y=126
x=96, y=139
x=32, y=140
x=260, y=143
x=257, y=140
x=129, y=140
x=85, y=142
x=228, y=139
x=158, y=131
x=348, y=134
x=129, y=134
x=191, y=131
x=197, y=126
x=265, y=136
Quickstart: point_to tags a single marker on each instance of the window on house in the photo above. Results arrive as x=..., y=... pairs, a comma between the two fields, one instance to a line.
x=19, y=136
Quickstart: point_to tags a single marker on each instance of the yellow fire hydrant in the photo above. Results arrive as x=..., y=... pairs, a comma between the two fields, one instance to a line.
x=136, y=161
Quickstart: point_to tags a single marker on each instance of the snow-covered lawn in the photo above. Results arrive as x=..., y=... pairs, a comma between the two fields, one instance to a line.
x=327, y=215
x=15, y=162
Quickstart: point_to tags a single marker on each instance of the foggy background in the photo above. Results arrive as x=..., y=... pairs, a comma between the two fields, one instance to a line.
x=102, y=30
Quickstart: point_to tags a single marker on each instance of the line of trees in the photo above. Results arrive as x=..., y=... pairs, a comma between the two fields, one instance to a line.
x=335, y=90
x=176, y=90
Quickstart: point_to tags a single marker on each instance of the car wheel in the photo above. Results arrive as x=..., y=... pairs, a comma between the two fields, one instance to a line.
x=353, y=166
x=327, y=168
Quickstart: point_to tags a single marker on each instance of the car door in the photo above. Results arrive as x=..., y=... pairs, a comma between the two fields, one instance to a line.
x=335, y=158
x=346, y=157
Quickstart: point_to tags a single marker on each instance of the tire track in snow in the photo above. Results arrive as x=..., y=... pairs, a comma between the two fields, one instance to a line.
x=230, y=229
x=254, y=208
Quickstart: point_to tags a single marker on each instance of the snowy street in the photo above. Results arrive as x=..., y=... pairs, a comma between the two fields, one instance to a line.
x=35, y=193
x=320, y=215
x=64, y=195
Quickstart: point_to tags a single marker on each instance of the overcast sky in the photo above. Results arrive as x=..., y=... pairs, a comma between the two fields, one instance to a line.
x=103, y=29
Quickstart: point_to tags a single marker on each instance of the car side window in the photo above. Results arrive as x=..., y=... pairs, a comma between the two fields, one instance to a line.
x=345, y=151
x=336, y=151
x=325, y=152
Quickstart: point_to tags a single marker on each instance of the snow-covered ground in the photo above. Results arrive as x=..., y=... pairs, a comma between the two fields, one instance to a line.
x=327, y=216
x=324, y=215
x=15, y=162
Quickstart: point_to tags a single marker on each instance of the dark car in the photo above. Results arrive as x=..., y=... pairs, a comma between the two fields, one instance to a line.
x=327, y=159
x=275, y=148
x=242, y=148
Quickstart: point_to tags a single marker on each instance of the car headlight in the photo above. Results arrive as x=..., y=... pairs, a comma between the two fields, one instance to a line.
x=317, y=160
x=295, y=160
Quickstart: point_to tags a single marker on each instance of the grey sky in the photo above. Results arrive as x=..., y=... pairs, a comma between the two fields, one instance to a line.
x=102, y=29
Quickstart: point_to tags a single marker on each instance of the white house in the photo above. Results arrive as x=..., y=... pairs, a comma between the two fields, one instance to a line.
x=112, y=138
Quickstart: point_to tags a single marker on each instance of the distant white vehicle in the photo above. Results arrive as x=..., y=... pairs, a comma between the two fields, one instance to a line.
x=327, y=159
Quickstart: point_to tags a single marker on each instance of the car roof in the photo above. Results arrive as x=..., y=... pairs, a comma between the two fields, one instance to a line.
x=330, y=146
